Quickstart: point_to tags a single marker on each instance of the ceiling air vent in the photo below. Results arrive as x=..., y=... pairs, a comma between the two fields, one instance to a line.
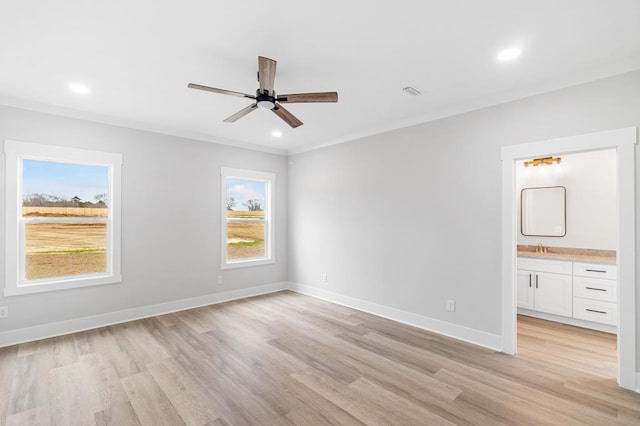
x=411, y=91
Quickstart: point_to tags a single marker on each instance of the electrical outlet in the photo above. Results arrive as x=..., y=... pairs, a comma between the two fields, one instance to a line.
x=451, y=305
x=4, y=311
x=323, y=278
x=219, y=279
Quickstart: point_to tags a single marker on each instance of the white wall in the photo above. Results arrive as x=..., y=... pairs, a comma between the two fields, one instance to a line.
x=590, y=182
x=412, y=217
x=170, y=218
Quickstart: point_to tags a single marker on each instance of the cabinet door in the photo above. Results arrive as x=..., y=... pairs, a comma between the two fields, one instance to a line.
x=524, y=288
x=553, y=293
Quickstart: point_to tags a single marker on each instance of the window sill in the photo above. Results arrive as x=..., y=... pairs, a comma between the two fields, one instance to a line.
x=247, y=263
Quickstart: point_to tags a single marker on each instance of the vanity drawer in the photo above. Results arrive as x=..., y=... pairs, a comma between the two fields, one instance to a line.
x=551, y=266
x=595, y=270
x=595, y=289
x=596, y=311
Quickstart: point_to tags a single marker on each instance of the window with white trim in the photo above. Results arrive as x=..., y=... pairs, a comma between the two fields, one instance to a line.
x=62, y=218
x=247, y=218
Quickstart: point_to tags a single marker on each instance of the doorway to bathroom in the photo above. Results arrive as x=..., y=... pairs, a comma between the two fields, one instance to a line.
x=566, y=218
x=566, y=273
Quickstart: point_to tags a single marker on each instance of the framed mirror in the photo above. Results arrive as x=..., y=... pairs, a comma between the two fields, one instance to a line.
x=543, y=211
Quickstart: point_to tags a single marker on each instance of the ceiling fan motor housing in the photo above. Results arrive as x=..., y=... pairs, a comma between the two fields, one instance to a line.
x=264, y=100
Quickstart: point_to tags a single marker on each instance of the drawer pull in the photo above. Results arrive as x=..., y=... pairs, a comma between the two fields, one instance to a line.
x=597, y=289
x=593, y=310
x=596, y=270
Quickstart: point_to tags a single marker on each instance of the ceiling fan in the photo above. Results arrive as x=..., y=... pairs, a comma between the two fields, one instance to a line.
x=266, y=97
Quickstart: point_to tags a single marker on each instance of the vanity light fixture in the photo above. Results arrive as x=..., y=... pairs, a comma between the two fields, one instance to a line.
x=546, y=161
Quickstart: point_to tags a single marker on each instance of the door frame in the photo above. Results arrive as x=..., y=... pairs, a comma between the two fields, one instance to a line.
x=623, y=141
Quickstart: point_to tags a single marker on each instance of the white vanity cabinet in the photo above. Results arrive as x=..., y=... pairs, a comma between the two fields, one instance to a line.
x=545, y=286
x=595, y=293
x=587, y=293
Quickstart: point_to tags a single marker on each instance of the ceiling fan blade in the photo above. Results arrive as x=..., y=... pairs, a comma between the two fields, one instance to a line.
x=289, y=118
x=266, y=74
x=238, y=115
x=309, y=97
x=221, y=91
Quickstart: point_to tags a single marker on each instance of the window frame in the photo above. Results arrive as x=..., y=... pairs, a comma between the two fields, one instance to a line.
x=15, y=153
x=269, y=210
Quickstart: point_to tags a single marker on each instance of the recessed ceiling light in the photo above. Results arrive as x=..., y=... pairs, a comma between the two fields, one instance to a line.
x=276, y=133
x=79, y=88
x=509, y=54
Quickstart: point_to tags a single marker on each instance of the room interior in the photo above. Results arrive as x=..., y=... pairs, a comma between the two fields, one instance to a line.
x=392, y=236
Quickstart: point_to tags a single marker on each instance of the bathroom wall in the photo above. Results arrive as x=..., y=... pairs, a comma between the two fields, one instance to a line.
x=590, y=182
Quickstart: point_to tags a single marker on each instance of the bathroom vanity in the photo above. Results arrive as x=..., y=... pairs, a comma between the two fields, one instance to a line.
x=573, y=286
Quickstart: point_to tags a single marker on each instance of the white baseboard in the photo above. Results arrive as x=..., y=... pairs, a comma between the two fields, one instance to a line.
x=470, y=335
x=13, y=337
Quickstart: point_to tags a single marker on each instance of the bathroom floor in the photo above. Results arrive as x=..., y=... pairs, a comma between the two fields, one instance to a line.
x=567, y=347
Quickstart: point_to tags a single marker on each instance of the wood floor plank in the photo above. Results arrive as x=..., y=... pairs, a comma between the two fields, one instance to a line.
x=34, y=417
x=400, y=409
x=117, y=415
x=140, y=345
x=8, y=358
x=70, y=401
x=192, y=401
x=30, y=385
x=365, y=401
x=502, y=403
x=285, y=358
x=150, y=404
x=64, y=350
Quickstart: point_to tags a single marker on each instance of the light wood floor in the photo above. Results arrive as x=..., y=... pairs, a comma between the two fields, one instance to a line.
x=286, y=358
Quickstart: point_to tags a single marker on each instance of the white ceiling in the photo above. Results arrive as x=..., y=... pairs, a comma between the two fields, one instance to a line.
x=137, y=56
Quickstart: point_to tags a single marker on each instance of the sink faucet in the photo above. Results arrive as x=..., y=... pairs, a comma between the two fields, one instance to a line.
x=541, y=248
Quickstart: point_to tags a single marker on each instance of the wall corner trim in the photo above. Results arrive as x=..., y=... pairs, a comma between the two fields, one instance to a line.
x=466, y=334
x=44, y=331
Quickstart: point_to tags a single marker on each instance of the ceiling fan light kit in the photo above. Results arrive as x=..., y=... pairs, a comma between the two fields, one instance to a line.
x=266, y=98
x=265, y=101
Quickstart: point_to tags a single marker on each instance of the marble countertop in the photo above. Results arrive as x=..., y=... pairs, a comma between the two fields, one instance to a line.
x=607, y=257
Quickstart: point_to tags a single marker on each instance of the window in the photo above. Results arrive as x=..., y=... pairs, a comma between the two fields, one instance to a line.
x=62, y=218
x=247, y=225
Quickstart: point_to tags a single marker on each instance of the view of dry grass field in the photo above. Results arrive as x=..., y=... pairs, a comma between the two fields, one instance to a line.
x=57, y=249
x=37, y=211
x=245, y=237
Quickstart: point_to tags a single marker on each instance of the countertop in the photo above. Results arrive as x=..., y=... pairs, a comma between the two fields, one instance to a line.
x=607, y=257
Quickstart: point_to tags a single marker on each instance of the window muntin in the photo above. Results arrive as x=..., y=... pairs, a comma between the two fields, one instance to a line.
x=247, y=226
x=63, y=218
